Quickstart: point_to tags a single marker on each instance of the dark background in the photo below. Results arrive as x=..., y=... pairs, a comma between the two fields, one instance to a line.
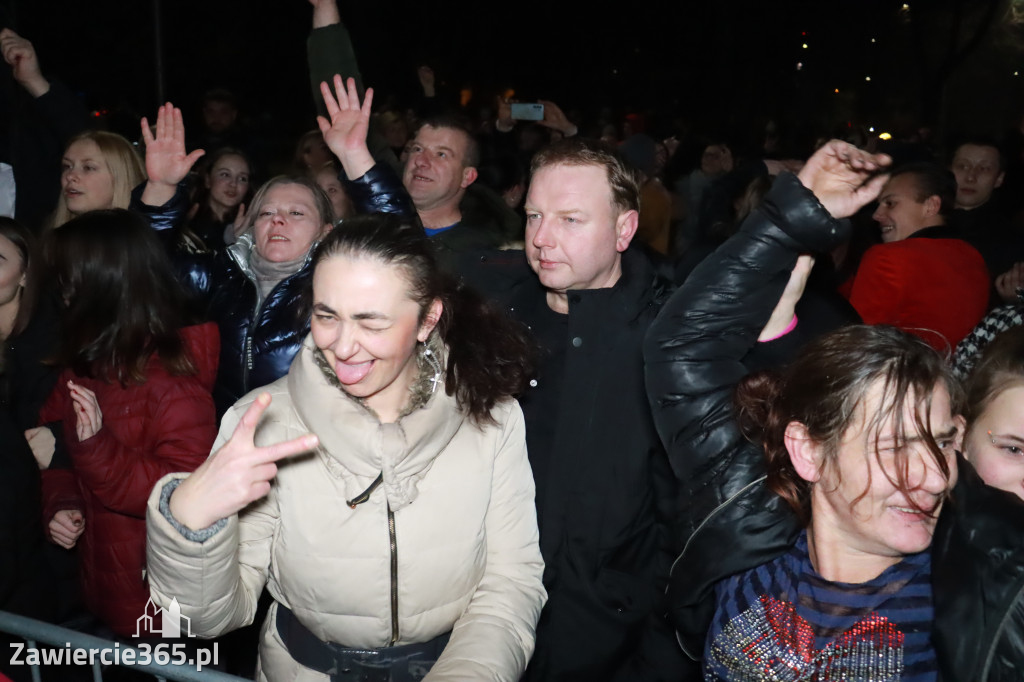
x=948, y=64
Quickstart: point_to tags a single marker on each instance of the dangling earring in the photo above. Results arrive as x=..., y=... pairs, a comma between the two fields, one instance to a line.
x=435, y=364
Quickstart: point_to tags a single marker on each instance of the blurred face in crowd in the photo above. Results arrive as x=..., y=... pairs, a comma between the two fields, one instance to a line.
x=228, y=182
x=861, y=521
x=328, y=181
x=436, y=174
x=367, y=325
x=900, y=213
x=575, y=234
x=716, y=160
x=995, y=442
x=977, y=172
x=287, y=223
x=86, y=180
x=219, y=115
x=12, y=273
x=315, y=152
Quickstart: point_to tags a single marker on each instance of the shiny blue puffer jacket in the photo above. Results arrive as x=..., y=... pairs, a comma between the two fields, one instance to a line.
x=257, y=342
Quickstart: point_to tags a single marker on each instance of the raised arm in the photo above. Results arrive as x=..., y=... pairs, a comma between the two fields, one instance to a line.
x=21, y=56
x=346, y=125
x=694, y=350
x=167, y=164
x=372, y=186
x=694, y=360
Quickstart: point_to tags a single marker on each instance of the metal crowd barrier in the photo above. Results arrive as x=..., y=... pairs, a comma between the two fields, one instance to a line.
x=34, y=631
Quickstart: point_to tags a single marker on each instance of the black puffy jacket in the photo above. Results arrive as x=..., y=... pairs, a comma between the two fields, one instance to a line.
x=731, y=522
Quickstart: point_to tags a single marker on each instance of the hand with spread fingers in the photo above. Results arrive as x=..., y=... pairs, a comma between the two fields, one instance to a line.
x=345, y=131
x=237, y=474
x=843, y=177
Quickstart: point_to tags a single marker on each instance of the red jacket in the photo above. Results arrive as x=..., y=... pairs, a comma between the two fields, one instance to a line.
x=931, y=286
x=165, y=425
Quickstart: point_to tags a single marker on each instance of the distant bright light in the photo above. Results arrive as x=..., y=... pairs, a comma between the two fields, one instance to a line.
x=905, y=8
x=872, y=40
x=800, y=65
x=884, y=136
x=837, y=91
x=804, y=46
x=871, y=129
x=867, y=78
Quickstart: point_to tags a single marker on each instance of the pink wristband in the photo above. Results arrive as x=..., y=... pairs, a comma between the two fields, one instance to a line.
x=788, y=329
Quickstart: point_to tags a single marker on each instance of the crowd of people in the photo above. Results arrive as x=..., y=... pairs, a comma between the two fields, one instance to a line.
x=460, y=395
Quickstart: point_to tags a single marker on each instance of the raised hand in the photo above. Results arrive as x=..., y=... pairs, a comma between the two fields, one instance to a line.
x=345, y=132
x=325, y=13
x=166, y=160
x=20, y=54
x=236, y=475
x=87, y=411
x=556, y=119
x=841, y=176
x=66, y=527
x=426, y=76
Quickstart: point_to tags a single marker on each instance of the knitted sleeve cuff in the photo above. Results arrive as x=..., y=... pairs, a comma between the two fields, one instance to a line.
x=201, y=535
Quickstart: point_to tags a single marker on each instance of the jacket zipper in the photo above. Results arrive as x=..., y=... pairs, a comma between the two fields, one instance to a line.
x=394, y=577
x=393, y=542
x=700, y=527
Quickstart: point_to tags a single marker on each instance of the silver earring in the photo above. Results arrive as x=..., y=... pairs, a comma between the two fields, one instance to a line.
x=435, y=365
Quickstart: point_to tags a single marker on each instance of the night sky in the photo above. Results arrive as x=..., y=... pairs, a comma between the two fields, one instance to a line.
x=709, y=63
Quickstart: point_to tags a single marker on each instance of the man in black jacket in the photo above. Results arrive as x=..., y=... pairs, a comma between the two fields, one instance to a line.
x=604, y=490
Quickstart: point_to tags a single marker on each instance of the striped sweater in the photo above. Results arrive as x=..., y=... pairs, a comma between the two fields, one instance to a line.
x=783, y=621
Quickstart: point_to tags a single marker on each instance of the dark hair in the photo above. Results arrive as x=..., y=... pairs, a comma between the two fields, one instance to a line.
x=1001, y=367
x=980, y=141
x=623, y=179
x=204, y=214
x=490, y=356
x=462, y=124
x=25, y=242
x=823, y=390
x=123, y=302
x=932, y=180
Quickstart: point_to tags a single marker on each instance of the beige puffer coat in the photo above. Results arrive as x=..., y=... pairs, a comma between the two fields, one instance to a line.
x=465, y=531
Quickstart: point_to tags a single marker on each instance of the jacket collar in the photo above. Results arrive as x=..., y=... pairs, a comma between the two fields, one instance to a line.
x=353, y=441
x=241, y=253
x=628, y=297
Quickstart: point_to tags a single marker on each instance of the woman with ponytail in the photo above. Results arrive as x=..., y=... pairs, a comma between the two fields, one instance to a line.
x=401, y=535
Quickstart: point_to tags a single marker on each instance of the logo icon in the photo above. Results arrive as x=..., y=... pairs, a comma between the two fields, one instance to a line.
x=169, y=621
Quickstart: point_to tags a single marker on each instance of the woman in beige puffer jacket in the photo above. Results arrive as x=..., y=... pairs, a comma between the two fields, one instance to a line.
x=413, y=514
